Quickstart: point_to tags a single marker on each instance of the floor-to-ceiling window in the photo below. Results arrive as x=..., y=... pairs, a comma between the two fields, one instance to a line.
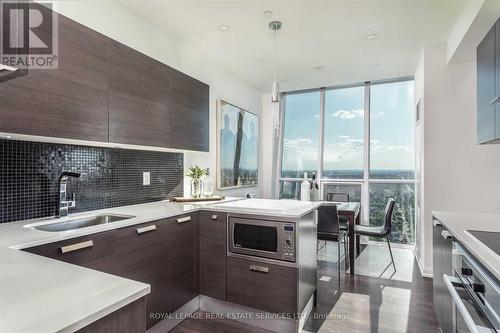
x=357, y=140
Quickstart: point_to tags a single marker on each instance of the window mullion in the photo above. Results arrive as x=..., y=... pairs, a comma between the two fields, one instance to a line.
x=365, y=193
x=319, y=171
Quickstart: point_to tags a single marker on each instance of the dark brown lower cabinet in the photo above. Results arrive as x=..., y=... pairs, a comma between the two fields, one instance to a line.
x=140, y=253
x=442, y=264
x=183, y=259
x=262, y=286
x=212, y=254
x=92, y=251
x=128, y=319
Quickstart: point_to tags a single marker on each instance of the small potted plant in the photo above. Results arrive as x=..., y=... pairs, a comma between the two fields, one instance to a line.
x=195, y=173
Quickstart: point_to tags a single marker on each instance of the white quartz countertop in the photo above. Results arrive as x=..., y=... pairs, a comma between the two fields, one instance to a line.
x=458, y=224
x=267, y=207
x=40, y=295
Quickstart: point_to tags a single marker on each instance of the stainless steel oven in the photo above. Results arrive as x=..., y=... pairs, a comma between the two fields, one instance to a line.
x=475, y=294
x=262, y=238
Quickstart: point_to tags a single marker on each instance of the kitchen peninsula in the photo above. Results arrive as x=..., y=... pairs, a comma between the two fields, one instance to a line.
x=161, y=259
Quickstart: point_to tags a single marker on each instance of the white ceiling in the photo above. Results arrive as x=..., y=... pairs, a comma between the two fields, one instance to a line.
x=329, y=33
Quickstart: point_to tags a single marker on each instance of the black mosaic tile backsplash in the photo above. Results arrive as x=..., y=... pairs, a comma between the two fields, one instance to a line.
x=110, y=177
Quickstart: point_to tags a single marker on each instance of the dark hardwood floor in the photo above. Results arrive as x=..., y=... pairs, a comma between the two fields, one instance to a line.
x=203, y=322
x=376, y=300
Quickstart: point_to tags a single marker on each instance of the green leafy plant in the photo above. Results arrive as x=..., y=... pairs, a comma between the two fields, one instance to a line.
x=196, y=172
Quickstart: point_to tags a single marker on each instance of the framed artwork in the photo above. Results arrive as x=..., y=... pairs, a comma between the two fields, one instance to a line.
x=237, y=146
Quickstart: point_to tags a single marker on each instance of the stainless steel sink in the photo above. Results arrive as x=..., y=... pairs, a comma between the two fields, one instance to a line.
x=82, y=222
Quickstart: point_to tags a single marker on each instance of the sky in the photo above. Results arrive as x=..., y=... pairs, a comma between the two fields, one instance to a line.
x=391, y=129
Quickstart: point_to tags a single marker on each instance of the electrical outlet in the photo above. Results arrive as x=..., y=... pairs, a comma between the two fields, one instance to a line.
x=146, y=178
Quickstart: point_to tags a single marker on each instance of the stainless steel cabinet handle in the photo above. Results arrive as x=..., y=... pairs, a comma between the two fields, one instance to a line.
x=495, y=100
x=260, y=269
x=146, y=229
x=446, y=234
x=184, y=219
x=471, y=325
x=214, y=217
x=435, y=223
x=77, y=246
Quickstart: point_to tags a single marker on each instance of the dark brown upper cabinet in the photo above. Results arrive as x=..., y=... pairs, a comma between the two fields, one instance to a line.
x=189, y=112
x=68, y=102
x=139, y=98
x=105, y=91
x=488, y=87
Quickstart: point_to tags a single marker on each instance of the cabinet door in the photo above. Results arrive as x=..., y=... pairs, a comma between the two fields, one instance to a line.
x=486, y=88
x=189, y=112
x=92, y=251
x=139, y=88
x=68, y=102
x=262, y=286
x=446, y=299
x=437, y=275
x=133, y=252
x=182, y=260
x=212, y=254
x=142, y=254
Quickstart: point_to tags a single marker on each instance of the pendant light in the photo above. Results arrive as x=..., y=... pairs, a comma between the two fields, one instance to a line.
x=275, y=90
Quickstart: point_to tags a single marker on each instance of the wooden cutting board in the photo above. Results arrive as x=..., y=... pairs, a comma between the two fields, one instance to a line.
x=188, y=199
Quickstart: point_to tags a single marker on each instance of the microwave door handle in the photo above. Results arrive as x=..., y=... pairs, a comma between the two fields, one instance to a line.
x=471, y=325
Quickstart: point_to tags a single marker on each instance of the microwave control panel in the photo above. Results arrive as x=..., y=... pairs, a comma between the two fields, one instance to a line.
x=289, y=242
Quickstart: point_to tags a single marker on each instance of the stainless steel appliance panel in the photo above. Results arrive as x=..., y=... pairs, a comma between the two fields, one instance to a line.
x=475, y=293
x=262, y=238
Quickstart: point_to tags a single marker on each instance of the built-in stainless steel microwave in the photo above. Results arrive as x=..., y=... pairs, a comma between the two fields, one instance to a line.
x=262, y=238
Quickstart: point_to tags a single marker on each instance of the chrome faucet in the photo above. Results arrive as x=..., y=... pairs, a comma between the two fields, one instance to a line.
x=63, y=205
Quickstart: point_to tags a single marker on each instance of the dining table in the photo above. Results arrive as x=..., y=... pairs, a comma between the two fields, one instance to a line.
x=352, y=211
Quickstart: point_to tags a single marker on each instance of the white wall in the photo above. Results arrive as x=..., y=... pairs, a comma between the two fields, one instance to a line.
x=420, y=162
x=225, y=87
x=460, y=175
x=113, y=20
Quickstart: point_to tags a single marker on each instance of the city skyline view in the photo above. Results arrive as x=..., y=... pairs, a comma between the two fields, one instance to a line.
x=391, y=127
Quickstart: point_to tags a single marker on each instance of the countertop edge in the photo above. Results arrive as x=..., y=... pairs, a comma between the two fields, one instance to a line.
x=463, y=239
x=106, y=311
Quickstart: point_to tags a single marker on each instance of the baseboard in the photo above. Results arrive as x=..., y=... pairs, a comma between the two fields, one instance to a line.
x=306, y=313
x=247, y=315
x=168, y=324
x=424, y=271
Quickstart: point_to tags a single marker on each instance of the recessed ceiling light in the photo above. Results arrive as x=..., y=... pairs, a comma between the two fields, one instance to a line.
x=223, y=28
x=268, y=14
x=371, y=36
x=320, y=67
x=373, y=66
x=260, y=59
